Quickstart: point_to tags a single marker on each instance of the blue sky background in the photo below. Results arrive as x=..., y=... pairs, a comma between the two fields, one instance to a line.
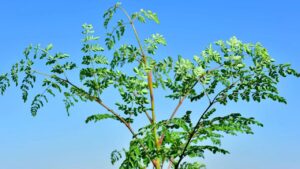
x=52, y=140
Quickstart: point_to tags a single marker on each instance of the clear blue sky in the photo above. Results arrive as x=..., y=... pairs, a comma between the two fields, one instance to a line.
x=54, y=141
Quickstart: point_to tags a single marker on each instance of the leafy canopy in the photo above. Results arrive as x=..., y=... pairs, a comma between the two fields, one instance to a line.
x=225, y=71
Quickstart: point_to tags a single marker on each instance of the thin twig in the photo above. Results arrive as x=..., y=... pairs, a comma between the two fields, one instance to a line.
x=199, y=122
x=170, y=163
x=204, y=89
x=183, y=98
x=98, y=100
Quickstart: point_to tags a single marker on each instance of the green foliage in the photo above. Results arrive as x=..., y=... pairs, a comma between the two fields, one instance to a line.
x=156, y=39
x=195, y=165
x=37, y=103
x=115, y=156
x=4, y=83
x=142, y=15
x=99, y=117
x=225, y=71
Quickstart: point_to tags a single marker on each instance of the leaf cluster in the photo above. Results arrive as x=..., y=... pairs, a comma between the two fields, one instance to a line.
x=225, y=71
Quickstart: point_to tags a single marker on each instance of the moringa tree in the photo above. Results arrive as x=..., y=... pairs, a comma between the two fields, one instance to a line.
x=225, y=71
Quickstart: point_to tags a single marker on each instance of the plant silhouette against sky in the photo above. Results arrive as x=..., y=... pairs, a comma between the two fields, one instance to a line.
x=225, y=71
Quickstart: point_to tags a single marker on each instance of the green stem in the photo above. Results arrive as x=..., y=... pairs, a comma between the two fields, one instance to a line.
x=150, y=86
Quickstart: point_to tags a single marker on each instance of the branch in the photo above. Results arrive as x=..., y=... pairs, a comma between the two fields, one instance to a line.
x=115, y=114
x=183, y=98
x=199, y=122
x=149, y=74
x=150, y=84
x=134, y=30
x=204, y=89
x=177, y=107
x=92, y=97
x=192, y=135
x=99, y=101
x=171, y=162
